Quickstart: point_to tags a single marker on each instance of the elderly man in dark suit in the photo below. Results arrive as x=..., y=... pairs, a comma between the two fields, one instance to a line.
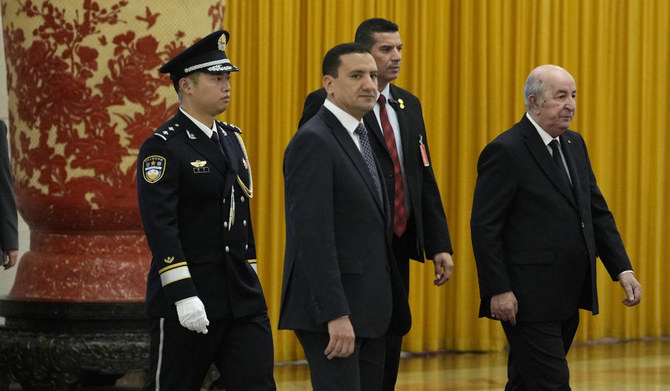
x=398, y=139
x=341, y=289
x=194, y=187
x=9, y=234
x=538, y=223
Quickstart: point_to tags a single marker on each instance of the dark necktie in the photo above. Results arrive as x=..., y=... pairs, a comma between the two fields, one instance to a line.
x=366, y=151
x=217, y=140
x=556, y=154
x=399, y=212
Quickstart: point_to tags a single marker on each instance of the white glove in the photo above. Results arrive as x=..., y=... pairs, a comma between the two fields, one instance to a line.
x=192, y=314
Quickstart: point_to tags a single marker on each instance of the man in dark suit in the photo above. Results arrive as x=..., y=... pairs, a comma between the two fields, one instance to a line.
x=341, y=289
x=9, y=234
x=538, y=223
x=398, y=139
x=194, y=186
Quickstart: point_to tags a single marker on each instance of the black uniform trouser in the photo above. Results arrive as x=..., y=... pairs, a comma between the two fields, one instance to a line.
x=400, y=246
x=537, y=357
x=241, y=349
x=362, y=371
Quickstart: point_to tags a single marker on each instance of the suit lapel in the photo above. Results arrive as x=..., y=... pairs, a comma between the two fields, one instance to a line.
x=374, y=131
x=567, y=147
x=352, y=151
x=543, y=158
x=231, y=151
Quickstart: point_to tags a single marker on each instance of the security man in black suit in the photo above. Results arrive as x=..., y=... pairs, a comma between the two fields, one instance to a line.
x=398, y=139
x=538, y=223
x=194, y=186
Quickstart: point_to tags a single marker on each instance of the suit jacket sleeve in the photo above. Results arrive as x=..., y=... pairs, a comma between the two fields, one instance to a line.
x=435, y=228
x=9, y=235
x=308, y=173
x=313, y=103
x=158, y=207
x=494, y=194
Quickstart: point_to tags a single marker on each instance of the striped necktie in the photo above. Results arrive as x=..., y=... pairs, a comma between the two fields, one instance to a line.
x=366, y=151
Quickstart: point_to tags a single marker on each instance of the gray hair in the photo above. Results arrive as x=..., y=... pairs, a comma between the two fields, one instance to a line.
x=534, y=86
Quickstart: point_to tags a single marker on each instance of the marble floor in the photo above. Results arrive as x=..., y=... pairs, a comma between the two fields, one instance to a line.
x=640, y=365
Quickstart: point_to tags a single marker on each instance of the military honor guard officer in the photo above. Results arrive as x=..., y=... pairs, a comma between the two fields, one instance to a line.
x=194, y=185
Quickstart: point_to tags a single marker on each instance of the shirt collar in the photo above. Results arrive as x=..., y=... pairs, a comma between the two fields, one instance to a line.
x=546, y=138
x=208, y=131
x=347, y=120
x=386, y=92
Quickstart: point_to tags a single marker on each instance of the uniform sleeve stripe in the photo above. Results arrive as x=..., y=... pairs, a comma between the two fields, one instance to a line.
x=252, y=261
x=174, y=275
x=176, y=265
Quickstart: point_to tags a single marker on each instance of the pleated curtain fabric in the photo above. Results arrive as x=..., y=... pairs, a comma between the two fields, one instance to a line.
x=467, y=61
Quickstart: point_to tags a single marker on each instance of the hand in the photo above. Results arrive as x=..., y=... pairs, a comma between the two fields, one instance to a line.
x=192, y=314
x=632, y=288
x=342, y=338
x=444, y=265
x=9, y=258
x=504, y=307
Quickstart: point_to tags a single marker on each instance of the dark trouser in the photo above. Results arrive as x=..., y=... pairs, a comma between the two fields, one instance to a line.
x=241, y=349
x=361, y=371
x=537, y=356
x=394, y=341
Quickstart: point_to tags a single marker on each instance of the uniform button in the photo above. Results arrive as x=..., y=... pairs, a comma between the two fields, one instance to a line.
x=246, y=246
x=241, y=198
x=225, y=224
x=244, y=223
x=224, y=200
x=582, y=224
x=227, y=249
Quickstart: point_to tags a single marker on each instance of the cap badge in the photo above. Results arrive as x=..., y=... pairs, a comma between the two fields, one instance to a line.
x=222, y=42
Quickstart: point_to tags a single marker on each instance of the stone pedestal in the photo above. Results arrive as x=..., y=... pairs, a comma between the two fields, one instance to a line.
x=58, y=346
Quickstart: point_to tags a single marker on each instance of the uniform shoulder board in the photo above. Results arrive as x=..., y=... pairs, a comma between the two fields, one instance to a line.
x=168, y=130
x=230, y=127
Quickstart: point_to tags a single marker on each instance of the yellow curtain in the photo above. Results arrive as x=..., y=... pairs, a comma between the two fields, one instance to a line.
x=467, y=61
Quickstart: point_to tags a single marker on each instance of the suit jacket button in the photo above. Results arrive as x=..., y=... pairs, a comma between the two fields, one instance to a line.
x=227, y=249
x=583, y=224
x=246, y=246
x=244, y=223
